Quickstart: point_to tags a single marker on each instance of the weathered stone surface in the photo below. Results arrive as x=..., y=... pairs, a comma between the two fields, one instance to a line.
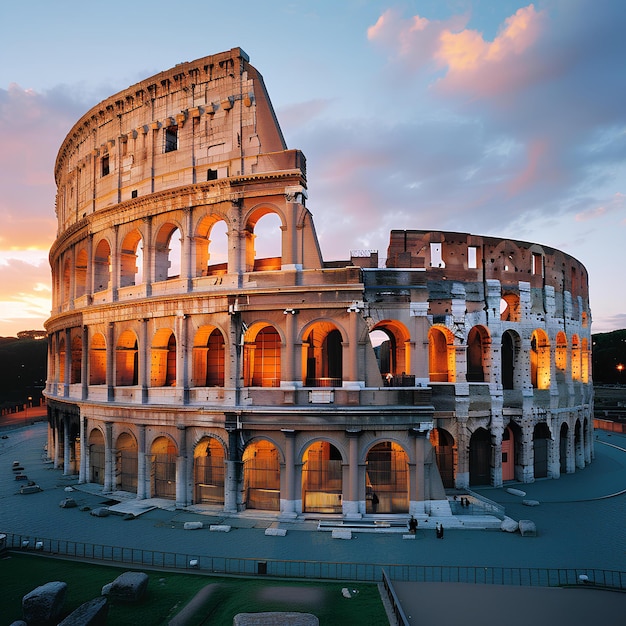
x=509, y=525
x=339, y=533
x=527, y=528
x=220, y=528
x=101, y=511
x=92, y=613
x=43, y=604
x=530, y=502
x=275, y=532
x=26, y=489
x=516, y=492
x=409, y=536
x=68, y=503
x=127, y=587
x=192, y=525
x=275, y=619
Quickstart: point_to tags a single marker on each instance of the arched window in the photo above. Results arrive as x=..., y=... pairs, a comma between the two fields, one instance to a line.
x=480, y=457
x=321, y=478
x=163, y=371
x=261, y=476
x=102, y=266
x=323, y=356
x=208, y=471
x=131, y=270
x=76, y=362
x=440, y=358
x=80, y=273
x=262, y=358
x=387, y=479
x=211, y=247
x=540, y=360
x=97, y=360
x=126, y=360
x=208, y=358
x=126, y=464
x=167, y=253
x=163, y=471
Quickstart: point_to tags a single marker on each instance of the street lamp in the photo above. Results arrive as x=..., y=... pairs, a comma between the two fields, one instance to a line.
x=30, y=403
x=620, y=368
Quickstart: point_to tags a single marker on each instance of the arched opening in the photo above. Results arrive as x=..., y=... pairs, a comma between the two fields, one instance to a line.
x=480, y=457
x=563, y=447
x=163, y=372
x=508, y=353
x=76, y=361
x=387, y=479
x=508, y=454
x=509, y=307
x=584, y=361
x=62, y=357
x=264, y=244
x=477, y=354
x=261, y=476
x=208, y=471
x=211, y=247
x=540, y=360
x=97, y=360
x=67, y=281
x=440, y=356
x=576, y=358
x=321, y=478
x=126, y=464
x=163, y=468
x=131, y=270
x=102, y=266
x=390, y=343
x=208, y=358
x=126, y=360
x=445, y=454
x=96, y=457
x=167, y=253
x=80, y=273
x=541, y=438
x=262, y=357
x=323, y=356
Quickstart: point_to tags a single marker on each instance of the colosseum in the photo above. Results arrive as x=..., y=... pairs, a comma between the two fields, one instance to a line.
x=185, y=365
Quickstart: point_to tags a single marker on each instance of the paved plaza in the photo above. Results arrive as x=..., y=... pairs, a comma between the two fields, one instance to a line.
x=580, y=521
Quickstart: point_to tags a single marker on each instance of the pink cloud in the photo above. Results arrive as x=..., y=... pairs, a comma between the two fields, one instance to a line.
x=616, y=203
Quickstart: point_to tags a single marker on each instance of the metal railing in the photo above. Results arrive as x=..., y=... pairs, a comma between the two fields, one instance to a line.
x=362, y=572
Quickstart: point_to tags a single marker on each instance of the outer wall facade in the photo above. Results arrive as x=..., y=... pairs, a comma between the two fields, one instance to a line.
x=185, y=365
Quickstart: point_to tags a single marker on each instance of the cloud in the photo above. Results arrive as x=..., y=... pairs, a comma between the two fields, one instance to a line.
x=616, y=203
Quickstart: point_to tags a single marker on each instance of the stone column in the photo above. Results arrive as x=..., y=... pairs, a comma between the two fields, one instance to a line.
x=109, y=460
x=67, y=365
x=181, y=468
x=287, y=501
x=110, y=375
x=351, y=504
x=84, y=369
x=67, y=449
x=289, y=353
x=143, y=361
x=141, y=462
x=84, y=445
x=148, y=255
x=233, y=464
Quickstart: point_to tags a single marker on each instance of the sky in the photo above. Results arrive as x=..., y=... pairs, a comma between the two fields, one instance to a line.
x=494, y=117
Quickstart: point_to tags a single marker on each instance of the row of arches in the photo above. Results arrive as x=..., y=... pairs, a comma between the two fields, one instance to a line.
x=321, y=345
x=139, y=254
x=385, y=488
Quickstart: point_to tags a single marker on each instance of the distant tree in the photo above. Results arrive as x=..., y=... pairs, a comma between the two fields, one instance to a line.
x=22, y=370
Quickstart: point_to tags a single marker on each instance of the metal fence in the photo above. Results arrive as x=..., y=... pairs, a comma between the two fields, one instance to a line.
x=362, y=572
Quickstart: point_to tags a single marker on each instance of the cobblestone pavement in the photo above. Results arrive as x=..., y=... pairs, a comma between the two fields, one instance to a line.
x=580, y=520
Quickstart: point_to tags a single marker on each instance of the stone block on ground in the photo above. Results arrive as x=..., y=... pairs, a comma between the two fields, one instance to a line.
x=339, y=533
x=408, y=536
x=530, y=502
x=92, y=613
x=509, y=525
x=127, y=587
x=527, y=528
x=26, y=489
x=275, y=619
x=68, y=503
x=43, y=604
x=516, y=492
x=101, y=511
x=220, y=528
x=275, y=532
x=192, y=525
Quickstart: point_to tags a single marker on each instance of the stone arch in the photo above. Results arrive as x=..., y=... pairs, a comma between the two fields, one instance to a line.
x=131, y=272
x=80, y=272
x=541, y=439
x=127, y=359
x=540, y=359
x=163, y=362
x=62, y=357
x=76, y=358
x=322, y=478
x=445, y=454
x=211, y=246
x=96, y=447
x=563, y=447
x=261, y=475
x=208, y=471
x=387, y=478
x=261, y=357
x=126, y=462
x=67, y=281
x=480, y=457
x=167, y=251
x=97, y=359
x=441, y=358
x=209, y=357
x=510, y=310
x=163, y=453
x=251, y=221
x=478, y=355
x=509, y=356
x=393, y=354
x=561, y=357
x=584, y=360
x=102, y=266
x=322, y=354
x=576, y=358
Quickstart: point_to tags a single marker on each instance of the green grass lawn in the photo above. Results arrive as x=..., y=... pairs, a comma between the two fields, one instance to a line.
x=169, y=592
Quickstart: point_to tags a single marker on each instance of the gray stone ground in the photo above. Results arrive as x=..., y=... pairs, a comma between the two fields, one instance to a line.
x=580, y=520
